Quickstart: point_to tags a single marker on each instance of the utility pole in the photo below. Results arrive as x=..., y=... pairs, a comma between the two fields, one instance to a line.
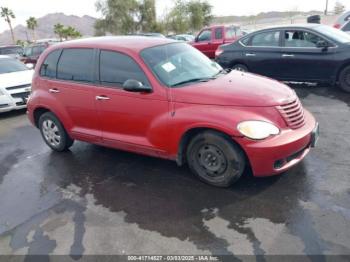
x=326, y=10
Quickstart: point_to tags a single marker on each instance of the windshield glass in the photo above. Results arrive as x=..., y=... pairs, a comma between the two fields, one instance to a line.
x=334, y=34
x=8, y=65
x=178, y=64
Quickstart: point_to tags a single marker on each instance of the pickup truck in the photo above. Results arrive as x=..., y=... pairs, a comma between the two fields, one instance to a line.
x=210, y=38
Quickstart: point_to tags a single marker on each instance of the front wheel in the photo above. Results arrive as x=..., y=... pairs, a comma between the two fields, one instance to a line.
x=240, y=67
x=53, y=133
x=344, y=79
x=215, y=159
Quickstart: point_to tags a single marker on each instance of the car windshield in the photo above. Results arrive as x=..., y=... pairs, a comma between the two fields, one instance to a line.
x=11, y=50
x=179, y=64
x=8, y=65
x=334, y=34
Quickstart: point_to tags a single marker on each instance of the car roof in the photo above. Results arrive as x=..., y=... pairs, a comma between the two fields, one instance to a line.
x=306, y=25
x=5, y=56
x=10, y=46
x=132, y=43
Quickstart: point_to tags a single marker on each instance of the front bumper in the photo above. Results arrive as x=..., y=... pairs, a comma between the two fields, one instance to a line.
x=8, y=103
x=279, y=153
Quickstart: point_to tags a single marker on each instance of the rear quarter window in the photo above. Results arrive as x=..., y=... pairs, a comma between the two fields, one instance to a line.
x=49, y=66
x=76, y=64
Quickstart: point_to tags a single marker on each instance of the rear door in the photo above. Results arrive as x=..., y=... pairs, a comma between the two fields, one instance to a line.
x=128, y=119
x=302, y=60
x=262, y=53
x=70, y=91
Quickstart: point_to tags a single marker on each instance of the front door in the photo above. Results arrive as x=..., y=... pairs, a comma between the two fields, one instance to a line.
x=302, y=60
x=129, y=120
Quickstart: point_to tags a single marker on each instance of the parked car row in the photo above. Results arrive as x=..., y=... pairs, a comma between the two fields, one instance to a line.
x=298, y=53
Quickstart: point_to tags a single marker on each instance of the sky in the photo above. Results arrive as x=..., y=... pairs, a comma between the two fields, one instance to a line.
x=37, y=8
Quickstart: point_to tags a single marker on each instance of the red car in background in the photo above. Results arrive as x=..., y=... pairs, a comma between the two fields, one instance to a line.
x=210, y=38
x=32, y=52
x=163, y=98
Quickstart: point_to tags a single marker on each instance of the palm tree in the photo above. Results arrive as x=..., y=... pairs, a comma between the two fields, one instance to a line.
x=58, y=29
x=32, y=23
x=7, y=14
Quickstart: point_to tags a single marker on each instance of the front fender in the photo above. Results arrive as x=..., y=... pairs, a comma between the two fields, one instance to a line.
x=221, y=118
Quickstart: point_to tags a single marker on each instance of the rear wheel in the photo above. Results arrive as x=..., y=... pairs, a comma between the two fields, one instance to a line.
x=215, y=159
x=53, y=133
x=240, y=67
x=344, y=79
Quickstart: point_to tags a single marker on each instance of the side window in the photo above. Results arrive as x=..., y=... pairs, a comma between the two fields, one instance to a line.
x=346, y=28
x=204, y=36
x=116, y=68
x=76, y=64
x=218, y=33
x=268, y=39
x=245, y=41
x=37, y=50
x=48, y=68
x=296, y=38
x=231, y=32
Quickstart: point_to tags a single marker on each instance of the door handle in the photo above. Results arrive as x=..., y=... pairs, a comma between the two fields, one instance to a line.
x=54, y=90
x=287, y=55
x=99, y=98
x=250, y=54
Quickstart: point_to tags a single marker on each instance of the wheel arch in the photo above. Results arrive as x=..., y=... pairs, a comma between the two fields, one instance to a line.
x=38, y=112
x=344, y=65
x=191, y=133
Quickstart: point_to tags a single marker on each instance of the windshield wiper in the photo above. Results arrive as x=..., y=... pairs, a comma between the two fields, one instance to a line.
x=192, y=80
x=222, y=71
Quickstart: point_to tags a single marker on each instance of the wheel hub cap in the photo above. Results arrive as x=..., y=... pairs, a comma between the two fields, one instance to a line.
x=51, y=133
x=212, y=159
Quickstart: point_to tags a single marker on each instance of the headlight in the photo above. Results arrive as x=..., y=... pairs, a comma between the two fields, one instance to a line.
x=1, y=93
x=257, y=130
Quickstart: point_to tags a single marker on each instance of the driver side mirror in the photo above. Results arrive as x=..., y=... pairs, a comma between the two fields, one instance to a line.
x=132, y=85
x=322, y=44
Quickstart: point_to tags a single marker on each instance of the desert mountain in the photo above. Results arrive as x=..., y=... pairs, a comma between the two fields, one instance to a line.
x=84, y=24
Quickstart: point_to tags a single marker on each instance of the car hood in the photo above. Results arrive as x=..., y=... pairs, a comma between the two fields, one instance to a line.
x=236, y=89
x=16, y=78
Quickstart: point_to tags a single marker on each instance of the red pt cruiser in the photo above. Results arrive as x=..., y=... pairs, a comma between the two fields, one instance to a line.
x=166, y=99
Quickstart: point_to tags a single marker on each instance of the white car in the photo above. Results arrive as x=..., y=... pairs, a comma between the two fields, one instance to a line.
x=15, y=84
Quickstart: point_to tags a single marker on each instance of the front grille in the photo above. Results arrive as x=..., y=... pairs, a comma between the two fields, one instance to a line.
x=17, y=87
x=21, y=95
x=293, y=114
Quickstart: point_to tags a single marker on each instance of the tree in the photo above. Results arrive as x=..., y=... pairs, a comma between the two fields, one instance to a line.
x=200, y=14
x=178, y=19
x=32, y=23
x=58, y=30
x=339, y=8
x=118, y=16
x=148, y=17
x=7, y=14
x=66, y=32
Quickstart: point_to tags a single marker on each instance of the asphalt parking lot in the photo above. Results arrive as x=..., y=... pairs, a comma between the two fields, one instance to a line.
x=95, y=200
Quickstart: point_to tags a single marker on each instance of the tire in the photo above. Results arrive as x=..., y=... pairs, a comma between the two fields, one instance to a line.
x=344, y=79
x=215, y=159
x=53, y=133
x=240, y=67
